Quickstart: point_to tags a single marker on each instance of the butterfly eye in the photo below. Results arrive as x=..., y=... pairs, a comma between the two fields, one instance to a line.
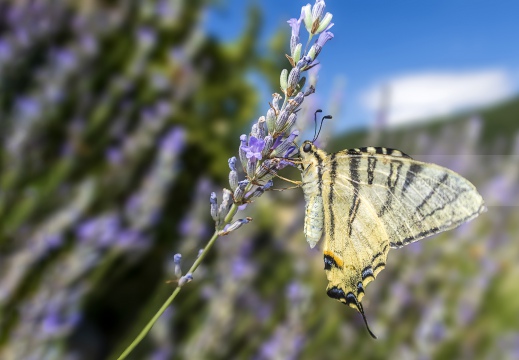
x=307, y=147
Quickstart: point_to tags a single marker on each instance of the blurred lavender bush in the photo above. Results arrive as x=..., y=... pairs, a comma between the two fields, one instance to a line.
x=111, y=112
x=113, y=117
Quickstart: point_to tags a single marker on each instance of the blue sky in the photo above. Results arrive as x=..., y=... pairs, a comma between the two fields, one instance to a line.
x=436, y=56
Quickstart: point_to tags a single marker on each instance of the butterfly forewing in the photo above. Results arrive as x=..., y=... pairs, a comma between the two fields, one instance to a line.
x=411, y=198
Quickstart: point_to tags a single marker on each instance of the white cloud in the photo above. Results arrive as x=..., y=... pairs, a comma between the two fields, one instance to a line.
x=422, y=96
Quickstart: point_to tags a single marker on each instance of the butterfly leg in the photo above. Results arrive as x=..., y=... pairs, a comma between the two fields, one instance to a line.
x=296, y=183
x=288, y=188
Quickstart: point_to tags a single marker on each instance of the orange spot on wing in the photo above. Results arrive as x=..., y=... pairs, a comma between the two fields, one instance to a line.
x=335, y=258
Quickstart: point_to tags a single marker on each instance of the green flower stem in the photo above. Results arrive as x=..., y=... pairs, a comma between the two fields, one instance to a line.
x=149, y=325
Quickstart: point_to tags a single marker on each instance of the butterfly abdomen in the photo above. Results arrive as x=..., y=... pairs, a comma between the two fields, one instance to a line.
x=314, y=220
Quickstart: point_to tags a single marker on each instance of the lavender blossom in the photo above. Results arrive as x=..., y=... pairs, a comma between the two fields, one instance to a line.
x=319, y=44
x=254, y=149
x=295, y=24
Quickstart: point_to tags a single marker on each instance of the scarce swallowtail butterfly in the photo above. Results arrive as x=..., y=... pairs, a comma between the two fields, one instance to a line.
x=369, y=200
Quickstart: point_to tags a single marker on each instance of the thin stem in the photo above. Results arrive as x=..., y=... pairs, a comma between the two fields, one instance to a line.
x=198, y=261
x=149, y=325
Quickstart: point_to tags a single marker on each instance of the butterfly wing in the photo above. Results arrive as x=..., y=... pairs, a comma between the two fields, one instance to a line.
x=379, y=198
x=411, y=199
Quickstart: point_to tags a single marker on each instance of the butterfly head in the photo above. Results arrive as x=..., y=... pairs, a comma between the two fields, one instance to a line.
x=307, y=151
x=307, y=148
x=311, y=156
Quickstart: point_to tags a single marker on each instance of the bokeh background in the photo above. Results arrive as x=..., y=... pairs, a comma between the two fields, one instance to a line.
x=118, y=117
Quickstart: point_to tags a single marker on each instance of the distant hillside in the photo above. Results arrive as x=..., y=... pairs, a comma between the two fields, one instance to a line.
x=499, y=127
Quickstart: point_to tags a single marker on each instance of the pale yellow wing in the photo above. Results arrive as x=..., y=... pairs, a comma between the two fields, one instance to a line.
x=411, y=199
x=376, y=198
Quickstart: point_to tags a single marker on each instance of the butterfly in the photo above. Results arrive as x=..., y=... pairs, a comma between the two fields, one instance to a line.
x=369, y=200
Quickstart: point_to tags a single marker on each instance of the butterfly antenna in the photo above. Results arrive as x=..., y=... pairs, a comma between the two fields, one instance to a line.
x=316, y=133
x=315, y=122
x=361, y=310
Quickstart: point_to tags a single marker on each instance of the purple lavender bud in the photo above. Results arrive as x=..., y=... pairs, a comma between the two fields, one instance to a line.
x=185, y=279
x=304, y=62
x=318, y=46
x=262, y=130
x=214, y=206
x=277, y=140
x=294, y=38
x=264, y=169
x=294, y=103
x=200, y=252
x=233, y=179
x=283, y=147
x=318, y=9
x=242, y=151
x=268, y=185
x=251, y=168
x=310, y=90
x=292, y=150
x=232, y=163
x=281, y=121
x=291, y=121
x=240, y=190
x=275, y=101
x=176, y=260
x=254, y=131
x=293, y=80
x=257, y=193
x=237, y=224
x=271, y=120
x=225, y=206
x=268, y=144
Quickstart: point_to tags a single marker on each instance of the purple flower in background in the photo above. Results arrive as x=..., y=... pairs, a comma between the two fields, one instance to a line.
x=253, y=151
x=114, y=155
x=102, y=230
x=146, y=36
x=131, y=239
x=55, y=322
x=28, y=107
x=173, y=141
x=54, y=240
